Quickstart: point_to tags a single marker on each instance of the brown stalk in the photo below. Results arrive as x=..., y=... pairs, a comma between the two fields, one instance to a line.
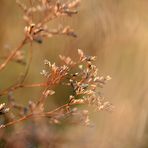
x=5, y=91
x=12, y=54
x=44, y=114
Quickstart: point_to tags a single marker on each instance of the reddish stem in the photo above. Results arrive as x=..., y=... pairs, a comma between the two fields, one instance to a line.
x=12, y=54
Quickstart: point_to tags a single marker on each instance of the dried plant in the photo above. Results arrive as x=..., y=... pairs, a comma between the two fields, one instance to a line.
x=80, y=75
x=37, y=29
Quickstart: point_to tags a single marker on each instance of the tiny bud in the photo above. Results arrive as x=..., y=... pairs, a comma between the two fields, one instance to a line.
x=108, y=78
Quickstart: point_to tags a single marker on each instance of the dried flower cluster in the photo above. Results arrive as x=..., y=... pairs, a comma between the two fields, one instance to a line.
x=37, y=29
x=84, y=82
x=37, y=16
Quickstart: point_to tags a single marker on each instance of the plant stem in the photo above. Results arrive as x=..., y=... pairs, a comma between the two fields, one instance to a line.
x=12, y=54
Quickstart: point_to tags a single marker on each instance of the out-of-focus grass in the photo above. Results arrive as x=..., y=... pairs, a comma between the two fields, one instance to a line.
x=117, y=33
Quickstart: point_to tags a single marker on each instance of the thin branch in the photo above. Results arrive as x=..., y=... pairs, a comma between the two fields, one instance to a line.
x=44, y=114
x=12, y=54
x=29, y=63
x=5, y=91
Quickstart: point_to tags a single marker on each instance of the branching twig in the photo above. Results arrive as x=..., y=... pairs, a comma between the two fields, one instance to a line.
x=17, y=86
x=49, y=114
x=12, y=54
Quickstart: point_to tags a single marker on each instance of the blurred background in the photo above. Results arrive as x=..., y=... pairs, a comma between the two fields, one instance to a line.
x=116, y=31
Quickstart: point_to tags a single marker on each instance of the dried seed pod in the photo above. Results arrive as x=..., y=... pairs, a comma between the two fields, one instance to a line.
x=3, y=109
